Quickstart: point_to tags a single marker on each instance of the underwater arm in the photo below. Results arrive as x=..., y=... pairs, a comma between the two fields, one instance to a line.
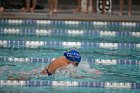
x=24, y=75
x=93, y=71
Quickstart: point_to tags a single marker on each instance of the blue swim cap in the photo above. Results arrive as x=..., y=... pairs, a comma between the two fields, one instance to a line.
x=73, y=55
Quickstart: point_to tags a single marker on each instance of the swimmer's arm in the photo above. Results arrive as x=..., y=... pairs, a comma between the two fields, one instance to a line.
x=91, y=70
x=26, y=75
x=94, y=71
x=74, y=74
x=44, y=71
x=77, y=76
x=21, y=76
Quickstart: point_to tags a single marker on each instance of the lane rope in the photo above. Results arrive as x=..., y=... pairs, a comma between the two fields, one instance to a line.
x=71, y=83
x=46, y=44
x=90, y=61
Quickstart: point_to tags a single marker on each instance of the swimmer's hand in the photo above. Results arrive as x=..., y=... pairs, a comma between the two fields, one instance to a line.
x=96, y=72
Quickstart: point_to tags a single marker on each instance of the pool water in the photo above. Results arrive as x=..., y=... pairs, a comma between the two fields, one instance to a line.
x=111, y=47
x=64, y=90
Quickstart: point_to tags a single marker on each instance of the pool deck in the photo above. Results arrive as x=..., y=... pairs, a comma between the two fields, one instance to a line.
x=69, y=15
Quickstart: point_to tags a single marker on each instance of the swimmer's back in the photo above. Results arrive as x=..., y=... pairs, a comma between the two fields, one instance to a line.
x=57, y=63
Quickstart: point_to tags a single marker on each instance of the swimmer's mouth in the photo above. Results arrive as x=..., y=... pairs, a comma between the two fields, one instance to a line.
x=76, y=64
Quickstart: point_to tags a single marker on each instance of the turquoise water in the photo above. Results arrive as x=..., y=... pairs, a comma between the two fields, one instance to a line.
x=125, y=73
x=64, y=90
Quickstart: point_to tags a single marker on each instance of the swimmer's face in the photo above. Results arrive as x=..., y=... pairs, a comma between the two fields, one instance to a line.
x=75, y=64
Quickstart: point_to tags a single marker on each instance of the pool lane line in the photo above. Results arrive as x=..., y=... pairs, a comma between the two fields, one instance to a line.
x=53, y=44
x=68, y=32
x=66, y=22
x=90, y=61
x=32, y=83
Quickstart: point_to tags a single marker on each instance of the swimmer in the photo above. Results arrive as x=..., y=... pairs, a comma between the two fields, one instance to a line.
x=71, y=58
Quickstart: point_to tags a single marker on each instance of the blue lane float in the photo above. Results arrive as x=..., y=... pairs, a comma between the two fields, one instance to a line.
x=46, y=44
x=62, y=22
x=68, y=32
x=65, y=24
x=71, y=83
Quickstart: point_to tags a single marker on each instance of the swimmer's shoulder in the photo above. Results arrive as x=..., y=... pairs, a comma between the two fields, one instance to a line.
x=60, y=58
